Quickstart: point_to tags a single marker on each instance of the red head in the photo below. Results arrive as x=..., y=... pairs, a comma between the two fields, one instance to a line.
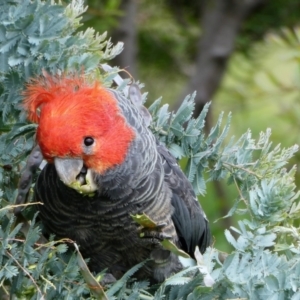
x=78, y=120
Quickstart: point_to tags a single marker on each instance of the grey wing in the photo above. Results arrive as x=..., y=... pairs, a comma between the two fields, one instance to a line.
x=189, y=218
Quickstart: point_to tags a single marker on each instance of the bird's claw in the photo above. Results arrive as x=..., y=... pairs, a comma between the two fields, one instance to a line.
x=108, y=279
x=34, y=160
x=161, y=225
x=154, y=233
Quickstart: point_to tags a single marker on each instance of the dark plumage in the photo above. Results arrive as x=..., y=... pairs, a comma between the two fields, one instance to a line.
x=148, y=180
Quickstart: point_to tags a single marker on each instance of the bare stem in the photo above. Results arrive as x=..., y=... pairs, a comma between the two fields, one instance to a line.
x=240, y=193
x=46, y=245
x=19, y=205
x=242, y=168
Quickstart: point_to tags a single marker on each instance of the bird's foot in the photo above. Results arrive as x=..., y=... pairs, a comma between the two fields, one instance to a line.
x=160, y=256
x=156, y=233
x=108, y=279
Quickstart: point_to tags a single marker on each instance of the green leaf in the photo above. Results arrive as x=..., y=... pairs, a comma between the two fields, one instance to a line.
x=61, y=248
x=168, y=245
x=93, y=284
x=10, y=271
x=176, y=151
x=144, y=221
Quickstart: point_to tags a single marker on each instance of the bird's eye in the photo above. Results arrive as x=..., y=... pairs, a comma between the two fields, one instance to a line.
x=88, y=141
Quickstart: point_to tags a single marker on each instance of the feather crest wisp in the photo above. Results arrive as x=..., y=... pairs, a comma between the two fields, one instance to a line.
x=68, y=110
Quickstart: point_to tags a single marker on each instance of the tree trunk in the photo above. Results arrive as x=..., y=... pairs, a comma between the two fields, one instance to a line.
x=220, y=22
x=127, y=33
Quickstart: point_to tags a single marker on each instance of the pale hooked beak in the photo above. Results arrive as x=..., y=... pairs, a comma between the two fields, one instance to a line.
x=75, y=175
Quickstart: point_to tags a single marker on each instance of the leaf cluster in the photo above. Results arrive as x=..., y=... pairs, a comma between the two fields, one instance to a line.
x=31, y=268
x=267, y=240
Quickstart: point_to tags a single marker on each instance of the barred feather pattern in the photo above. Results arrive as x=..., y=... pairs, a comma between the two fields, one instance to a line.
x=148, y=181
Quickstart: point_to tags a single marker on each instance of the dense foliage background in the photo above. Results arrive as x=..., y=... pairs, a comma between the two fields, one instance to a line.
x=249, y=178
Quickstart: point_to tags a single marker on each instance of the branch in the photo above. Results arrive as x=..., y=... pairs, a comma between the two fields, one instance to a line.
x=243, y=169
x=127, y=33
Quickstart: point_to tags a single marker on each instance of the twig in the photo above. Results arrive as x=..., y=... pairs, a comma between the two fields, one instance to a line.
x=242, y=168
x=49, y=282
x=240, y=193
x=128, y=73
x=64, y=240
x=242, y=198
x=19, y=205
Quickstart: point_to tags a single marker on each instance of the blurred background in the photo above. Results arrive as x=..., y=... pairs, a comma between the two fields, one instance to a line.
x=243, y=55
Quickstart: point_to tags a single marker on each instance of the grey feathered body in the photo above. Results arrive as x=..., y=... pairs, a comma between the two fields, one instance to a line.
x=148, y=181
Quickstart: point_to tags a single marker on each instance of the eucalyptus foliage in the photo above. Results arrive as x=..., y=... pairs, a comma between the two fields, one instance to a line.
x=265, y=264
